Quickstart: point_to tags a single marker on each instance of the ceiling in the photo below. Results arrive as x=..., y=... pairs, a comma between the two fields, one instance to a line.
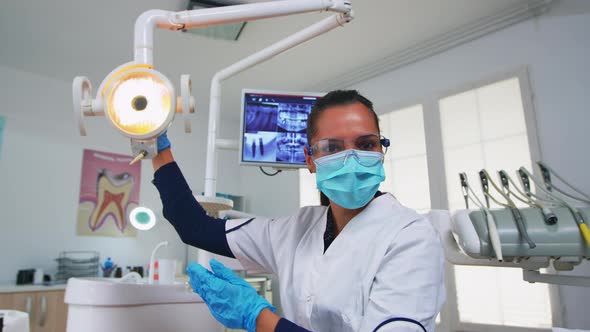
x=63, y=38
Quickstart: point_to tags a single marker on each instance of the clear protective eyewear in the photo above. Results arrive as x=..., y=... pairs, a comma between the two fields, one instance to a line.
x=329, y=146
x=336, y=161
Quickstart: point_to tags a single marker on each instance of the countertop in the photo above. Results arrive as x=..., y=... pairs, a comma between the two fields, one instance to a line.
x=12, y=288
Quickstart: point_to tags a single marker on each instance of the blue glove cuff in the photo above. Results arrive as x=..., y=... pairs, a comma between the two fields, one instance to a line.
x=251, y=320
x=163, y=142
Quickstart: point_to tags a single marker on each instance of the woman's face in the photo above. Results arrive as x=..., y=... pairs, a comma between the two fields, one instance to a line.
x=344, y=122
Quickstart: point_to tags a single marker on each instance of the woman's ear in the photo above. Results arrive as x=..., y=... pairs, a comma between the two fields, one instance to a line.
x=308, y=161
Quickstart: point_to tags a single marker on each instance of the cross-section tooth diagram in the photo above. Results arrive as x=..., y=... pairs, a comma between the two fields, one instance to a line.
x=109, y=190
x=112, y=197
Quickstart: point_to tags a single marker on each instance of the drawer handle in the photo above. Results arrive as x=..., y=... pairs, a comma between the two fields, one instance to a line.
x=43, y=317
x=29, y=305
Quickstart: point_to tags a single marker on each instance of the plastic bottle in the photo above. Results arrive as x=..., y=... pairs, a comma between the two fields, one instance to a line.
x=108, y=264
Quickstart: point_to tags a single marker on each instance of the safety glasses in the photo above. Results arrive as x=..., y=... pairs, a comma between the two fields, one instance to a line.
x=329, y=146
x=338, y=160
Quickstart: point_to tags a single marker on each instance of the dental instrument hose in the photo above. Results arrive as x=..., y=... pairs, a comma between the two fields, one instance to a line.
x=511, y=206
x=578, y=217
x=464, y=190
x=548, y=215
x=546, y=169
x=491, y=223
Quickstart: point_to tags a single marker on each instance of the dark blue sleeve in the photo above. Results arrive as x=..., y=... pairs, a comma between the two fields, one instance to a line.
x=182, y=210
x=285, y=325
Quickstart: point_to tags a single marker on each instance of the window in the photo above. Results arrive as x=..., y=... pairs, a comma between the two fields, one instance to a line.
x=406, y=169
x=486, y=128
x=483, y=128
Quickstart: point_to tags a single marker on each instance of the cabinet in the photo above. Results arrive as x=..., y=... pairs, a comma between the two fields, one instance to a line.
x=47, y=310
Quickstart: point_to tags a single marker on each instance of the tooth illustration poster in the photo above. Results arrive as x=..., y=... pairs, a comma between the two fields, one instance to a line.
x=109, y=190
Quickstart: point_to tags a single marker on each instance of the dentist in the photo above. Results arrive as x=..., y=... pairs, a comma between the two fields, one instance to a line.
x=363, y=263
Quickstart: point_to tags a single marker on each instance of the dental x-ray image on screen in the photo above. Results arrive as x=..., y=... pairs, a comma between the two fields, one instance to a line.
x=273, y=127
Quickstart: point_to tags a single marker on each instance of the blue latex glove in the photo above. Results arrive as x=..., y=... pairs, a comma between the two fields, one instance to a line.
x=231, y=300
x=163, y=142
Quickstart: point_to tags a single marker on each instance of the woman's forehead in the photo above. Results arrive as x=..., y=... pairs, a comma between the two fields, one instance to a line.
x=345, y=121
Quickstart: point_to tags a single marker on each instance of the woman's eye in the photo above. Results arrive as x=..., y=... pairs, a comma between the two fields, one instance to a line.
x=333, y=147
x=367, y=145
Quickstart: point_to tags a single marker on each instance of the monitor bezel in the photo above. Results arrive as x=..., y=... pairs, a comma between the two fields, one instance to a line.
x=276, y=165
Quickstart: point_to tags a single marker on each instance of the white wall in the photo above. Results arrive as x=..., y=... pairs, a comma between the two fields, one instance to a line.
x=40, y=167
x=270, y=196
x=556, y=49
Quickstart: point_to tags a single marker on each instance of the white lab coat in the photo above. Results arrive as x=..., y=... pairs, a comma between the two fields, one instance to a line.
x=386, y=263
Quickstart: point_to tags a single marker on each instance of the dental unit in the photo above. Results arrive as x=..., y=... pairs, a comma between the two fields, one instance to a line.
x=141, y=102
x=502, y=237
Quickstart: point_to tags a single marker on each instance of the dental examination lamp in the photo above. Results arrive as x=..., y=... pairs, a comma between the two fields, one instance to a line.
x=546, y=231
x=140, y=102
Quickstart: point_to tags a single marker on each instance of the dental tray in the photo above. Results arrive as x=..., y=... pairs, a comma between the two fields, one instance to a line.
x=562, y=239
x=77, y=264
x=77, y=257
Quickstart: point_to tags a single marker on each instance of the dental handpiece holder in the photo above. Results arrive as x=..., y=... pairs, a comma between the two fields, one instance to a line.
x=561, y=240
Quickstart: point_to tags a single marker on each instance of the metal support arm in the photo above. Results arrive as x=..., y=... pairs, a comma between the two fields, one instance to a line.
x=267, y=53
x=536, y=276
x=189, y=19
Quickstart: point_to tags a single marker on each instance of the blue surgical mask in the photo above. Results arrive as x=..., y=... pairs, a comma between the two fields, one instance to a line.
x=350, y=178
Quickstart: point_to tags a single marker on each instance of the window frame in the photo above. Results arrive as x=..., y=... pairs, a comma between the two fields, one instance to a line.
x=404, y=106
x=439, y=199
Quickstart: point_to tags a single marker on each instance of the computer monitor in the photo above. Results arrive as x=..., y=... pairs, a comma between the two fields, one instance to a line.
x=273, y=127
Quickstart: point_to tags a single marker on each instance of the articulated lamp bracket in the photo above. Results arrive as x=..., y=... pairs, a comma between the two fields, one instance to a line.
x=82, y=93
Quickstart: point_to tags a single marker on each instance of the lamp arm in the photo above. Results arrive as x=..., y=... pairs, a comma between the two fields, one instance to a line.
x=281, y=46
x=189, y=19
